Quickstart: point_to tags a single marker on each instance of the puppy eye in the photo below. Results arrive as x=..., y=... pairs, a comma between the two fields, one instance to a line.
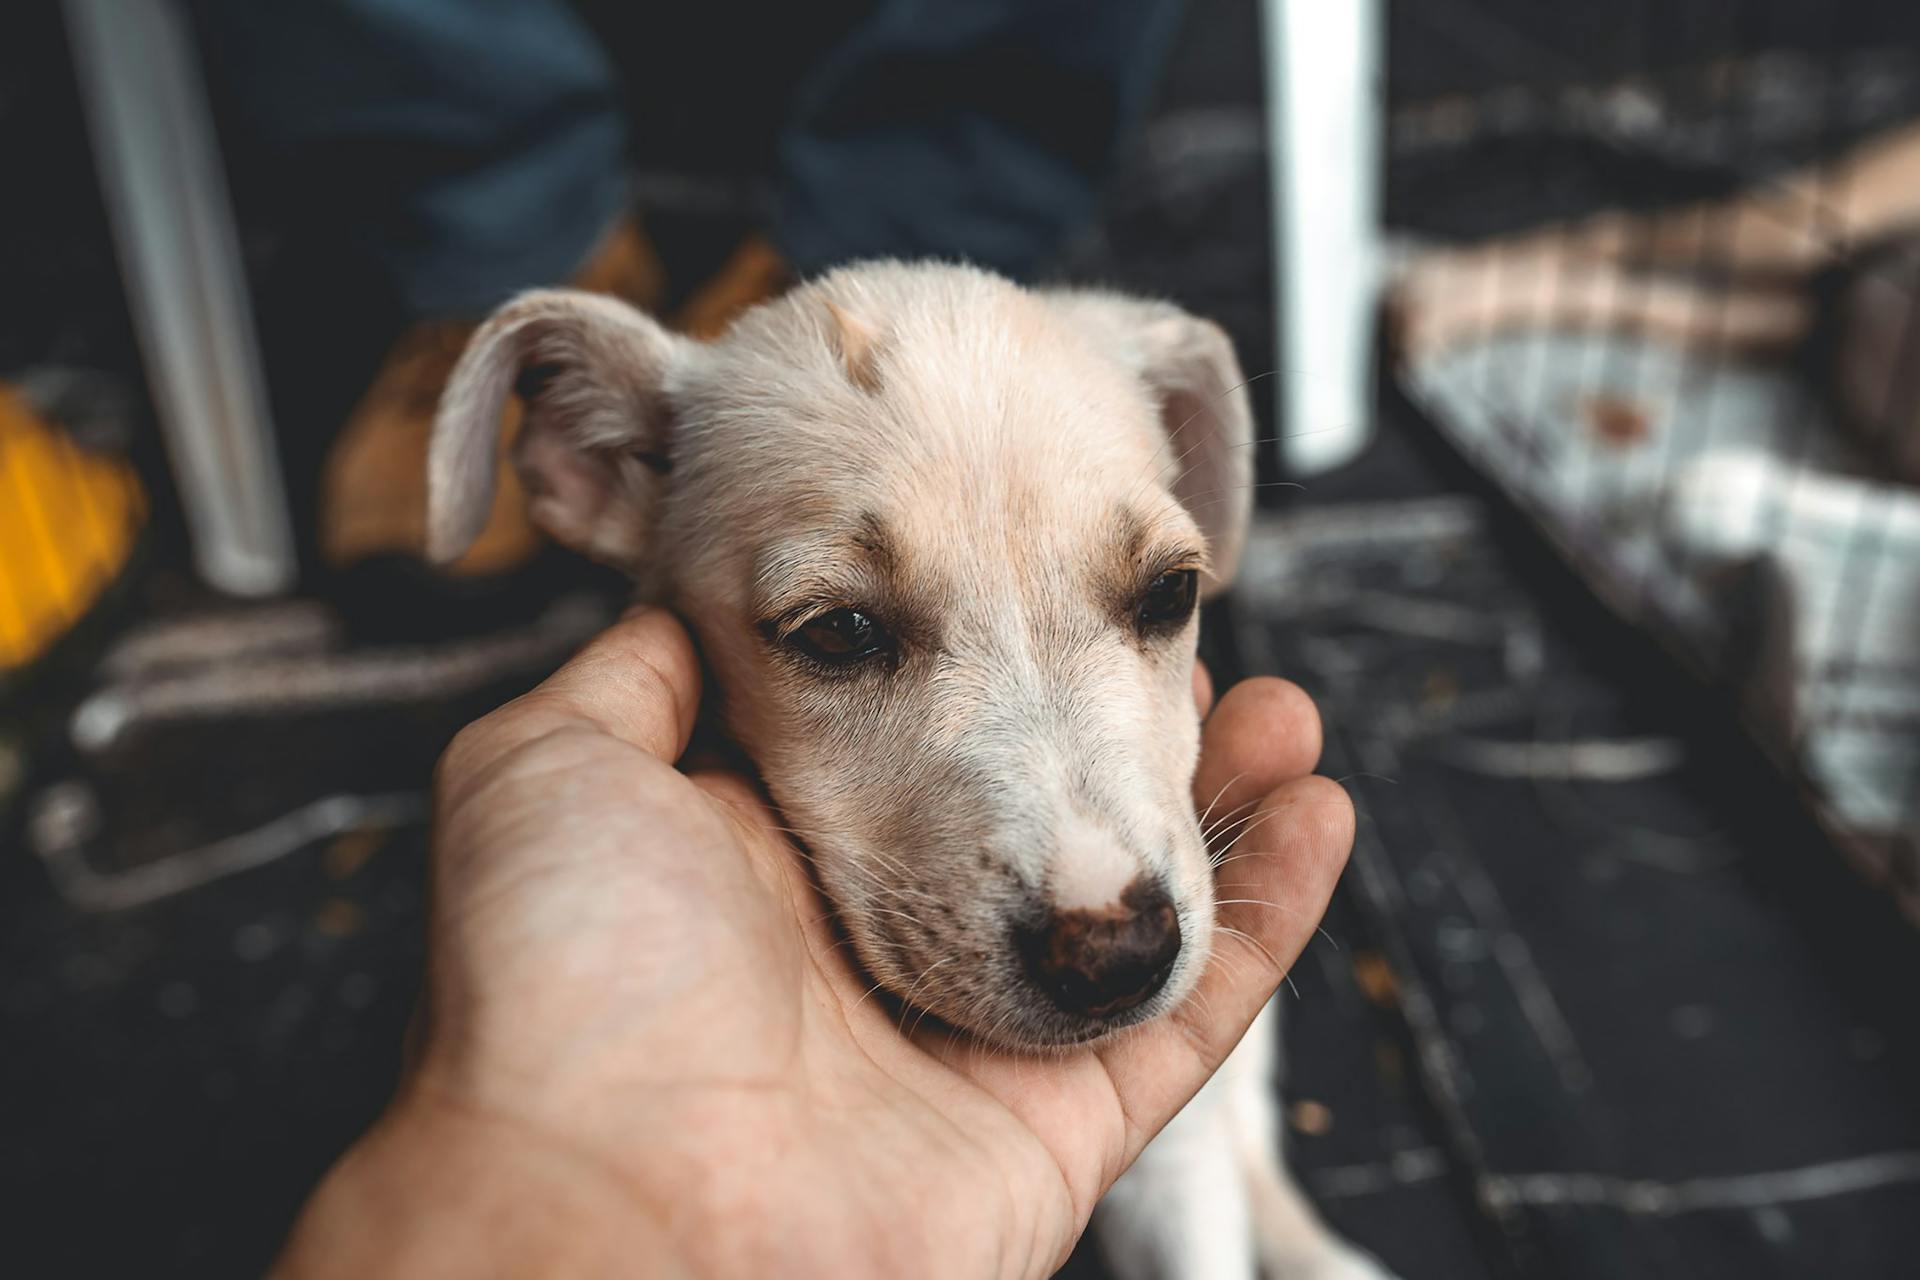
x=1168, y=601
x=840, y=638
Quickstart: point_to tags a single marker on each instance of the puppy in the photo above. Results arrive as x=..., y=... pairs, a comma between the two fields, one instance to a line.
x=942, y=540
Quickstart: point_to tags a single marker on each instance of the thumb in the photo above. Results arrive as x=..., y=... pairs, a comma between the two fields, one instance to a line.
x=638, y=681
x=1270, y=901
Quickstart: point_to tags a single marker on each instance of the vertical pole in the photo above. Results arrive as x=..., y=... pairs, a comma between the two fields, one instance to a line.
x=167, y=202
x=1325, y=126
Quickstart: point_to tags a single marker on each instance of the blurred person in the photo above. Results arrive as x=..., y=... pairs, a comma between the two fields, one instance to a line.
x=465, y=150
x=470, y=149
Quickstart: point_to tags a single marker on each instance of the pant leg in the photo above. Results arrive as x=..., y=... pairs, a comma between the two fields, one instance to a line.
x=470, y=148
x=979, y=130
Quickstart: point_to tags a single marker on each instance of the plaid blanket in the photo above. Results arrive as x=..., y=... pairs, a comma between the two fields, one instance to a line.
x=1714, y=501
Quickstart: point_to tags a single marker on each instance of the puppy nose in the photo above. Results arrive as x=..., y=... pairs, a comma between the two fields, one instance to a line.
x=1106, y=961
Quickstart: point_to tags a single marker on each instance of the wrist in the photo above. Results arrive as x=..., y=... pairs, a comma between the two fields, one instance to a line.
x=436, y=1190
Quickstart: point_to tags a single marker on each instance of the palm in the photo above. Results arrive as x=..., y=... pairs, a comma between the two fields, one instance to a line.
x=634, y=962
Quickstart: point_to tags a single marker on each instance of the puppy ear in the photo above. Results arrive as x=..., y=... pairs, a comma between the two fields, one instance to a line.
x=592, y=449
x=1189, y=366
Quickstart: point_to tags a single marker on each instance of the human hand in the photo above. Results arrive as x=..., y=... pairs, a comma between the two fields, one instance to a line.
x=644, y=1049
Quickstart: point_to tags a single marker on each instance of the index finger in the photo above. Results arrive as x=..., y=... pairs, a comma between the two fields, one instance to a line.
x=638, y=681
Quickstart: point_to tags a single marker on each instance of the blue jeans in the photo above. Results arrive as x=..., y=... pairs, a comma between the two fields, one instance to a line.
x=473, y=148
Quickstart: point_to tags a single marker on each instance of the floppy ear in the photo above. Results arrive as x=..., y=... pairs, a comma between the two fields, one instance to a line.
x=1189, y=366
x=592, y=449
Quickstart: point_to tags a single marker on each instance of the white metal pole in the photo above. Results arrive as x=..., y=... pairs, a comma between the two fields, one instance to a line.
x=167, y=202
x=1325, y=129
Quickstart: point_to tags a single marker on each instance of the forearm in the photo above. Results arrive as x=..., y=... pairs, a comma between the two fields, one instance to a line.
x=429, y=1192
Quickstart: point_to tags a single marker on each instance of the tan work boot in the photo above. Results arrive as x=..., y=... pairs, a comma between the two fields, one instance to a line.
x=754, y=272
x=373, y=494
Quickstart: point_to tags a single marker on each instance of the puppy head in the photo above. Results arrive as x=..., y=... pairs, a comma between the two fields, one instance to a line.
x=941, y=539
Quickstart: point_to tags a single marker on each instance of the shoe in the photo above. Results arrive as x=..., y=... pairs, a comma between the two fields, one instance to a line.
x=373, y=497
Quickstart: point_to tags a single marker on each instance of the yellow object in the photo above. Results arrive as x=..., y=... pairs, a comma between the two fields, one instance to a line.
x=68, y=520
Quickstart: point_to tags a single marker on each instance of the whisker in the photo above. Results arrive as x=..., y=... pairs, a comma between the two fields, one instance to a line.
x=1190, y=419
x=887, y=860
x=1226, y=962
x=913, y=920
x=1319, y=929
x=1247, y=828
x=1253, y=942
x=1216, y=799
x=1285, y=975
x=1255, y=902
x=906, y=1001
x=864, y=996
x=1214, y=497
x=915, y=1028
x=1247, y=813
x=1244, y=444
x=1227, y=819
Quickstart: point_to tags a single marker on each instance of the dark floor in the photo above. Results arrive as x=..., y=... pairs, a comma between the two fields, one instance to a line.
x=1652, y=1026
x=1561, y=1028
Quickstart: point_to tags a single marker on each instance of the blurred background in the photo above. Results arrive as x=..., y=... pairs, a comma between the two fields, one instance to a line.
x=1588, y=359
